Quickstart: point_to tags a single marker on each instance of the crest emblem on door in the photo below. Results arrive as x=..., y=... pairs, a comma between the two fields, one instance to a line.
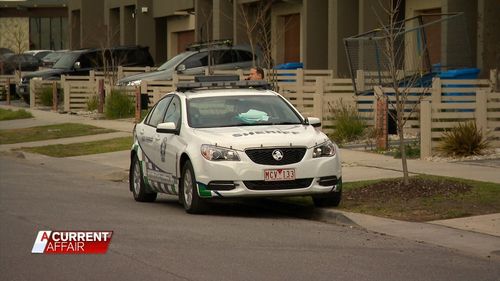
x=163, y=148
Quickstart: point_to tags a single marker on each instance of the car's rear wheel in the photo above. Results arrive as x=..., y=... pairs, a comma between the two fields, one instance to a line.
x=327, y=200
x=137, y=185
x=188, y=191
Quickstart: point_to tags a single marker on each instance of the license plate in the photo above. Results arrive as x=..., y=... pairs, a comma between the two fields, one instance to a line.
x=279, y=175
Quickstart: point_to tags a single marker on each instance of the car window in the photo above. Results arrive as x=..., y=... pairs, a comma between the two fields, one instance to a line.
x=174, y=61
x=243, y=55
x=173, y=113
x=223, y=56
x=227, y=111
x=156, y=115
x=67, y=61
x=90, y=60
x=197, y=60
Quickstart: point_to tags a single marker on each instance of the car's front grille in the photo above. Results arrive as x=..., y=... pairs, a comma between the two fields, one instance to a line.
x=264, y=156
x=276, y=185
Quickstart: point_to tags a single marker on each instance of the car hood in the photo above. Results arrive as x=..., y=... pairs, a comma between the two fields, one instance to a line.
x=45, y=73
x=240, y=138
x=148, y=76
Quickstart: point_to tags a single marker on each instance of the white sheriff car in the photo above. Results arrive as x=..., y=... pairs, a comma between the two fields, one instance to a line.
x=231, y=139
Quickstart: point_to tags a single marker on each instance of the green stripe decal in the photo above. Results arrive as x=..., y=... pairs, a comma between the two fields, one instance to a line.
x=202, y=190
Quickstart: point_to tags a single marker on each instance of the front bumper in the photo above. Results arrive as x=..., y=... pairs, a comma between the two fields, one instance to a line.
x=246, y=179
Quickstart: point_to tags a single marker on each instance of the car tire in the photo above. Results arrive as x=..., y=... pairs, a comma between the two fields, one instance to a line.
x=137, y=185
x=188, y=193
x=328, y=200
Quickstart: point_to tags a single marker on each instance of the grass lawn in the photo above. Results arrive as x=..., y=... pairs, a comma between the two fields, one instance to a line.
x=9, y=114
x=58, y=131
x=434, y=199
x=85, y=148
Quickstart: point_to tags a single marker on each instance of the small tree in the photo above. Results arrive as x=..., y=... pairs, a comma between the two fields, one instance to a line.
x=402, y=76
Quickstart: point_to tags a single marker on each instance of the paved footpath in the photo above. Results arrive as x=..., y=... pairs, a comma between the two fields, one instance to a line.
x=478, y=235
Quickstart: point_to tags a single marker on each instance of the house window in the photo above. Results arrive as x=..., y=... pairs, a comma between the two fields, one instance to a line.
x=48, y=33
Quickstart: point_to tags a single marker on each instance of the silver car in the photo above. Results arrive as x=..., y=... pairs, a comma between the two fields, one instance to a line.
x=195, y=61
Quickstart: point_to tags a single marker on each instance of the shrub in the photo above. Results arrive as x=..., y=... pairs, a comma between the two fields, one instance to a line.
x=463, y=140
x=119, y=105
x=92, y=103
x=349, y=125
x=46, y=96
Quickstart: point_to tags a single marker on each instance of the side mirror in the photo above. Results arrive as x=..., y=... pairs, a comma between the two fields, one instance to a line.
x=167, y=128
x=77, y=65
x=313, y=121
x=181, y=67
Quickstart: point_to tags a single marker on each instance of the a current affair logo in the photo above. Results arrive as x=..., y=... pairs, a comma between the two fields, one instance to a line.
x=72, y=242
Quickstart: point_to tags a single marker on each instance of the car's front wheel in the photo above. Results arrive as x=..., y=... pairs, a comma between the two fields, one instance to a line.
x=328, y=200
x=137, y=184
x=188, y=191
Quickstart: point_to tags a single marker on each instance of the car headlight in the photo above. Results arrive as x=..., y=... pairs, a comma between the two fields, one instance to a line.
x=215, y=153
x=134, y=83
x=37, y=78
x=326, y=149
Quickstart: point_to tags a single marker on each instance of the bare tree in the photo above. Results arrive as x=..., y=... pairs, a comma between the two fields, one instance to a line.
x=20, y=38
x=257, y=23
x=404, y=72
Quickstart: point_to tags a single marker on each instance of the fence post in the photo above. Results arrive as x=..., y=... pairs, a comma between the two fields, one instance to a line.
x=318, y=98
x=7, y=90
x=32, y=93
x=175, y=79
x=436, y=90
x=137, y=104
x=425, y=129
x=381, y=125
x=481, y=111
x=494, y=80
x=239, y=71
x=360, y=80
x=119, y=74
x=54, y=96
x=67, y=101
x=101, y=96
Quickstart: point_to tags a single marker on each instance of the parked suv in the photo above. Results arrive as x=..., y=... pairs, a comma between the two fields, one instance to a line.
x=195, y=60
x=80, y=62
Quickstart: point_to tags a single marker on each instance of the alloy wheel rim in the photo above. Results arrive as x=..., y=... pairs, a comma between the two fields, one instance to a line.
x=188, y=188
x=137, y=178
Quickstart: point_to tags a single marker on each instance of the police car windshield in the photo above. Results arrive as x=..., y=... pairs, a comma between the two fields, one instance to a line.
x=231, y=111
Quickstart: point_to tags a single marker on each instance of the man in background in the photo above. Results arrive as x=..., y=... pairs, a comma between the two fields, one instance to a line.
x=256, y=73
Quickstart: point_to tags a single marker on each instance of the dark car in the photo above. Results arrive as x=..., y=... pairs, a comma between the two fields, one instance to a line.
x=81, y=62
x=23, y=62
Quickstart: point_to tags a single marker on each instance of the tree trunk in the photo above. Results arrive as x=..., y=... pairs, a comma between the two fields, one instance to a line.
x=402, y=147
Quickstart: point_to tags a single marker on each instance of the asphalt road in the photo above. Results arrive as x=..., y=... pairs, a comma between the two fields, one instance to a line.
x=159, y=241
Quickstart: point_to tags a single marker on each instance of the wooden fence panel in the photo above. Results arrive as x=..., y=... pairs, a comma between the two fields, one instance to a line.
x=77, y=94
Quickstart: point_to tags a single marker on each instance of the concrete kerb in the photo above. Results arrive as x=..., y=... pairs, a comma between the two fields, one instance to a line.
x=304, y=212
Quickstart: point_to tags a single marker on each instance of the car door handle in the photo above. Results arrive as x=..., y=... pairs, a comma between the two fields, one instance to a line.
x=157, y=137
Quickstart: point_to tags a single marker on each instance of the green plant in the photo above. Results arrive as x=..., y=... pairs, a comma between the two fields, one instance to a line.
x=46, y=96
x=412, y=151
x=119, y=105
x=92, y=103
x=349, y=125
x=8, y=114
x=463, y=140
